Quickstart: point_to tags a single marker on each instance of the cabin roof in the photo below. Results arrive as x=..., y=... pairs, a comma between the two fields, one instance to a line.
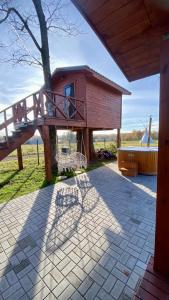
x=131, y=30
x=95, y=75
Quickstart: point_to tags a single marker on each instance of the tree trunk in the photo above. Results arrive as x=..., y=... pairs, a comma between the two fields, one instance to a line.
x=46, y=73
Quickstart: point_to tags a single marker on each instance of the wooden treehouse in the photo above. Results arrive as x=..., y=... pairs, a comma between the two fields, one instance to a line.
x=81, y=100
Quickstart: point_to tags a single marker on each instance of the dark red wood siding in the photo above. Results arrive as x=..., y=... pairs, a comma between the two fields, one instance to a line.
x=103, y=106
x=79, y=80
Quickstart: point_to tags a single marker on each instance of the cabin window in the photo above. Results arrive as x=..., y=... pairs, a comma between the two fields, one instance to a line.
x=69, y=90
x=69, y=108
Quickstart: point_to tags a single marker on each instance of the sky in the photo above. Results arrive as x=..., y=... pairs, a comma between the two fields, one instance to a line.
x=17, y=81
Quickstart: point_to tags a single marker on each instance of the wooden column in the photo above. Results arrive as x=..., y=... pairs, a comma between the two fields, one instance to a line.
x=86, y=144
x=161, y=258
x=118, y=140
x=91, y=145
x=83, y=142
x=19, y=156
x=79, y=141
x=47, y=153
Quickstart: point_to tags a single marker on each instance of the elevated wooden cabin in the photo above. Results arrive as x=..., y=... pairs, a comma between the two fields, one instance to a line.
x=102, y=97
x=81, y=100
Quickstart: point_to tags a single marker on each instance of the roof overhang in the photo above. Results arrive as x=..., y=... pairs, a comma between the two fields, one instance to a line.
x=92, y=74
x=131, y=30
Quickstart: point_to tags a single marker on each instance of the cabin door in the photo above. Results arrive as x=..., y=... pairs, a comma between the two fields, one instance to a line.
x=69, y=108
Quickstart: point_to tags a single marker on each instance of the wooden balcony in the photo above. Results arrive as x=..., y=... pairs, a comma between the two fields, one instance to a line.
x=19, y=121
x=43, y=108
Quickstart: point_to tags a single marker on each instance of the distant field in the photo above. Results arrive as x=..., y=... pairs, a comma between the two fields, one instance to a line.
x=32, y=149
x=136, y=143
x=14, y=183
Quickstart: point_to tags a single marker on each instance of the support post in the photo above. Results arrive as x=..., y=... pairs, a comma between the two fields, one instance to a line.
x=19, y=156
x=83, y=142
x=79, y=141
x=47, y=153
x=91, y=145
x=161, y=257
x=118, y=140
x=86, y=144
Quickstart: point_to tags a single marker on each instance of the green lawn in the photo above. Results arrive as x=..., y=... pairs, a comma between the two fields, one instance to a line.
x=14, y=183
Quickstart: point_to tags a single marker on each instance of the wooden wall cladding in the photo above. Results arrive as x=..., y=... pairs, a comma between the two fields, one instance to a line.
x=103, y=106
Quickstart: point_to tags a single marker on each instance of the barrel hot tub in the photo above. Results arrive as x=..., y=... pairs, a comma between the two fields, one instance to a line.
x=146, y=157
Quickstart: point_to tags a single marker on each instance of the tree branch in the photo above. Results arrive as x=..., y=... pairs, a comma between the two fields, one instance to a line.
x=25, y=23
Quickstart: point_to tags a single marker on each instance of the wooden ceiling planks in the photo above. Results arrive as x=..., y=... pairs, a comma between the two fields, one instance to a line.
x=131, y=30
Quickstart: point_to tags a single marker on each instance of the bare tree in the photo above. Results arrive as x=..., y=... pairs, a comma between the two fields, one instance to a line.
x=29, y=29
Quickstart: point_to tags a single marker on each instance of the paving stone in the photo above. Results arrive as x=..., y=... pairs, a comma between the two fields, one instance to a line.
x=67, y=293
x=77, y=296
x=133, y=280
x=50, y=281
x=11, y=277
x=3, y=284
x=86, y=284
x=19, y=294
x=26, y=283
x=11, y=290
x=36, y=289
x=3, y=257
x=109, y=283
x=44, y=292
x=127, y=294
x=74, y=257
x=68, y=268
x=63, y=263
x=50, y=296
x=61, y=287
x=97, y=277
x=92, y=291
x=21, y=266
x=46, y=270
x=102, y=271
x=34, y=276
x=56, y=274
x=27, y=241
x=131, y=262
x=120, y=275
x=90, y=266
x=79, y=273
x=117, y=289
x=74, y=280
x=104, y=296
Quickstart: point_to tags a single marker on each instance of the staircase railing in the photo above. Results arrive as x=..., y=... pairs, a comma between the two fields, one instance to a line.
x=42, y=104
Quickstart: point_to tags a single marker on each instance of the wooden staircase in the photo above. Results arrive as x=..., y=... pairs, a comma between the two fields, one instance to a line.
x=18, y=137
x=19, y=121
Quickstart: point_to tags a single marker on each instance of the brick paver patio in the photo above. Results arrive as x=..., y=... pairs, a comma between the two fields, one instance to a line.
x=89, y=237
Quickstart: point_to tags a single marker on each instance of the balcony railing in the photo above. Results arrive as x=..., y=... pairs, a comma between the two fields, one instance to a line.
x=42, y=104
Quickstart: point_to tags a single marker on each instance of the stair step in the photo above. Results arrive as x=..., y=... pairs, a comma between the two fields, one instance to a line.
x=16, y=132
x=3, y=144
x=11, y=138
x=21, y=125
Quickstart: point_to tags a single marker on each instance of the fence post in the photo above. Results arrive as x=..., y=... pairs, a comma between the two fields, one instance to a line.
x=37, y=147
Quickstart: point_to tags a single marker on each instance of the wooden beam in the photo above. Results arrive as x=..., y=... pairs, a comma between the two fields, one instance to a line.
x=118, y=138
x=47, y=153
x=161, y=258
x=19, y=156
x=86, y=144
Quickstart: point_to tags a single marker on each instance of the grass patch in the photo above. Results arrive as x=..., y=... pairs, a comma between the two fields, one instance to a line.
x=14, y=183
